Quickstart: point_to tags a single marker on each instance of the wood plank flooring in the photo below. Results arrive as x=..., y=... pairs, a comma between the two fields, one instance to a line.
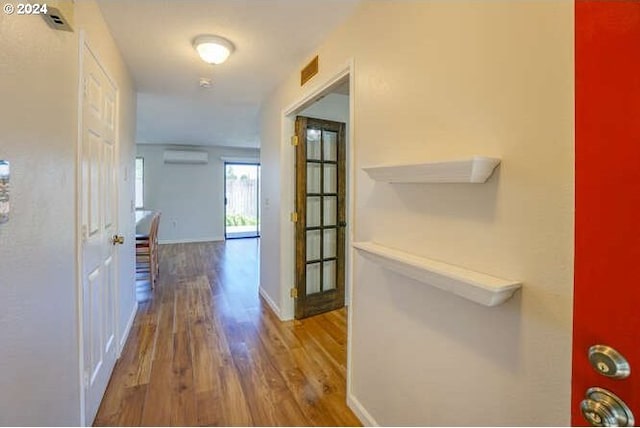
x=205, y=349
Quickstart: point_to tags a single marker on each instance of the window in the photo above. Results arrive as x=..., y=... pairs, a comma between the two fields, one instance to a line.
x=139, y=182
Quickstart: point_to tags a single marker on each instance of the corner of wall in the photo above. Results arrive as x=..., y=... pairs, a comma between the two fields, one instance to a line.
x=127, y=329
x=274, y=307
x=361, y=413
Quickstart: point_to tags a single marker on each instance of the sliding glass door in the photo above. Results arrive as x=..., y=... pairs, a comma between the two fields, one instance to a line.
x=242, y=200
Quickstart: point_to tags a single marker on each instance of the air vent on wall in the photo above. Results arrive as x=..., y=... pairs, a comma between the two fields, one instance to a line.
x=186, y=156
x=56, y=19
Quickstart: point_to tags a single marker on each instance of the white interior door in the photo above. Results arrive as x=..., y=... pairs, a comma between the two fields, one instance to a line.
x=98, y=208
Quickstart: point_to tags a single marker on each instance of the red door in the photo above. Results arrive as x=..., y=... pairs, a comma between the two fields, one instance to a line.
x=607, y=247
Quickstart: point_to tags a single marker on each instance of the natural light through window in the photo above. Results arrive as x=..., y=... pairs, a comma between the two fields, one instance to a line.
x=139, y=182
x=242, y=200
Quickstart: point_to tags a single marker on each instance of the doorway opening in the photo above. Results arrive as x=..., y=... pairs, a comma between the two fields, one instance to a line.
x=340, y=82
x=321, y=195
x=241, y=200
x=97, y=232
x=318, y=104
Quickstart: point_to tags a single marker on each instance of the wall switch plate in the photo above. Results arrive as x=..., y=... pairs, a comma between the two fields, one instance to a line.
x=5, y=174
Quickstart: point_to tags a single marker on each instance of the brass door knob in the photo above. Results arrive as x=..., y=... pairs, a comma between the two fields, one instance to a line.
x=117, y=239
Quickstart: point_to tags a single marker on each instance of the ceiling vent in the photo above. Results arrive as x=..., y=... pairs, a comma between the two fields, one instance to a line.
x=186, y=157
x=56, y=20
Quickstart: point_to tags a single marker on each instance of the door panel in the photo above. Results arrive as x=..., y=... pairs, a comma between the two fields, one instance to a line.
x=95, y=323
x=110, y=307
x=98, y=214
x=330, y=208
x=314, y=204
x=93, y=151
x=607, y=246
x=320, y=205
x=108, y=168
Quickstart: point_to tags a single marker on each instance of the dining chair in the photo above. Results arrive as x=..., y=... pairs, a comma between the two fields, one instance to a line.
x=147, y=251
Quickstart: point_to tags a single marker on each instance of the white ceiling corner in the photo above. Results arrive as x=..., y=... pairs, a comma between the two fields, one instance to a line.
x=272, y=38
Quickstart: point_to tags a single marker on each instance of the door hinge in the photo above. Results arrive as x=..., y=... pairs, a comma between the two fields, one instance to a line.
x=294, y=140
x=294, y=217
x=293, y=292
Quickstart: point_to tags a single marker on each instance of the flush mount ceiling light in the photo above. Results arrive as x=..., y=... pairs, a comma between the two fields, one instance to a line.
x=213, y=49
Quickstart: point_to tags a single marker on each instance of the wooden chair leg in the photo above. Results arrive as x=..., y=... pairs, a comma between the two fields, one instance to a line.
x=152, y=274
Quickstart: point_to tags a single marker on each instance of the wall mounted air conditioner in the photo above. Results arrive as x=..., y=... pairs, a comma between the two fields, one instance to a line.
x=186, y=156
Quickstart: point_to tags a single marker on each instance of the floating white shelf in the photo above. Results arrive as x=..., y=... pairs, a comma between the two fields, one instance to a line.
x=478, y=287
x=474, y=170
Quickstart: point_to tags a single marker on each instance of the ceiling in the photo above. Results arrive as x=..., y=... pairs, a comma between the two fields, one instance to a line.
x=272, y=39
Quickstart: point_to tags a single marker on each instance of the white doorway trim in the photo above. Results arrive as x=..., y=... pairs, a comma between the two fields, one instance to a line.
x=287, y=237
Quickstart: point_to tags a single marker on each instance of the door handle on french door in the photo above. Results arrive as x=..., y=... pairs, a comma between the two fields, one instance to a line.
x=342, y=224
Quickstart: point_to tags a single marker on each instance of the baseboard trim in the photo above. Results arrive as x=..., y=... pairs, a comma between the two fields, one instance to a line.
x=190, y=240
x=361, y=413
x=127, y=330
x=270, y=302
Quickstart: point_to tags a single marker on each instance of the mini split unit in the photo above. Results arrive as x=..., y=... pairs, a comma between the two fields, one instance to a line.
x=186, y=157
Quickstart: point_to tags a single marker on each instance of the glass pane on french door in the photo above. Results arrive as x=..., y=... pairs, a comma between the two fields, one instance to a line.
x=242, y=200
x=322, y=209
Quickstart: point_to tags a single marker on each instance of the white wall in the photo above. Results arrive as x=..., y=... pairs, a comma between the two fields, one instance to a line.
x=443, y=80
x=39, y=375
x=190, y=197
x=331, y=107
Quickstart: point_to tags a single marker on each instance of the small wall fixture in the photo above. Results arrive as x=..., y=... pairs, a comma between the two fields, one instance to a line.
x=213, y=49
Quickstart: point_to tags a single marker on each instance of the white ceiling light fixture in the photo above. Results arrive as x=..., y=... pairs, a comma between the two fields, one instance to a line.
x=213, y=49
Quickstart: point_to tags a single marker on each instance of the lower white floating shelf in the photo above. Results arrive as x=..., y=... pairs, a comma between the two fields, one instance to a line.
x=478, y=287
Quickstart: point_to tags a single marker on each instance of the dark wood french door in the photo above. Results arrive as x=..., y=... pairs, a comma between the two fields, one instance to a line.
x=321, y=216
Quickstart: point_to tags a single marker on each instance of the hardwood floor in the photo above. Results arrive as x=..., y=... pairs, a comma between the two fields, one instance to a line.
x=206, y=350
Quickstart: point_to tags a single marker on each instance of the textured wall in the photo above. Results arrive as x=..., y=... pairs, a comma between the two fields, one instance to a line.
x=39, y=372
x=444, y=80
